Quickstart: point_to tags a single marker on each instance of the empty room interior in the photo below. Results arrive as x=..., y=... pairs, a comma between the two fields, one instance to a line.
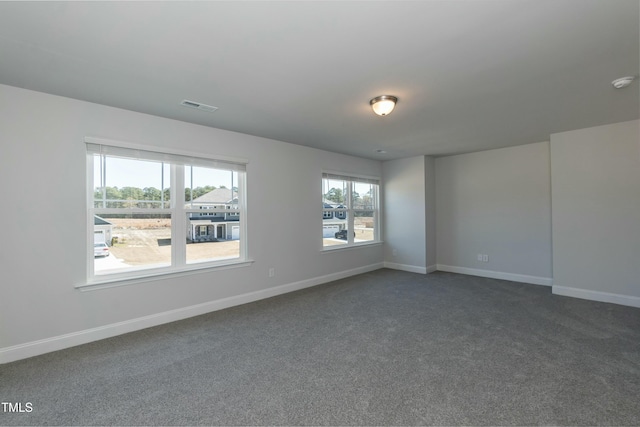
x=320, y=213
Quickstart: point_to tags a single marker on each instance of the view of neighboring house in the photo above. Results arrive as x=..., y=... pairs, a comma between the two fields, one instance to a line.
x=333, y=221
x=102, y=230
x=212, y=223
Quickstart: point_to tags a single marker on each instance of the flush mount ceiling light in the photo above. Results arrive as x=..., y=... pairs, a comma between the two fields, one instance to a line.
x=622, y=82
x=383, y=105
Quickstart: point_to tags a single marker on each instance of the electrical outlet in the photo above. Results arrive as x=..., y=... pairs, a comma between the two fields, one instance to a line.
x=272, y=272
x=480, y=257
x=485, y=258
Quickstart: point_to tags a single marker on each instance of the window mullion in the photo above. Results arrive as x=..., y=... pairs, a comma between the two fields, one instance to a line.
x=375, y=198
x=103, y=179
x=178, y=217
x=350, y=213
x=242, y=205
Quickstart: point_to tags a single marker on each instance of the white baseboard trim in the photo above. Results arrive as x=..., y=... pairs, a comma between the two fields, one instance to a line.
x=35, y=348
x=534, y=280
x=628, y=300
x=406, y=267
x=432, y=268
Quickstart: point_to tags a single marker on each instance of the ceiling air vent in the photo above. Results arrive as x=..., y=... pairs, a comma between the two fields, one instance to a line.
x=199, y=106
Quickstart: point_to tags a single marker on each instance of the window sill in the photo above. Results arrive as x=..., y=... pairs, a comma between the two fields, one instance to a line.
x=112, y=282
x=339, y=248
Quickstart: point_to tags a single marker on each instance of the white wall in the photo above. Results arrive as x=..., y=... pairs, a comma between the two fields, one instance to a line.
x=497, y=203
x=409, y=207
x=404, y=214
x=43, y=249
x=596, y=213
x=430, y=211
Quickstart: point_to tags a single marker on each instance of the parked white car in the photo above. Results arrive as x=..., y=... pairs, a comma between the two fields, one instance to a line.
x=100, y=249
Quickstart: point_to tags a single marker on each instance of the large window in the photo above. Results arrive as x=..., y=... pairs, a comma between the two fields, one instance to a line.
x=350, y=213
x=153, y=213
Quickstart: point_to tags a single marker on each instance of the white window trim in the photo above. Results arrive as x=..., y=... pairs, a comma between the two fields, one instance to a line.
x=178, y=234
x=163, y=150
x=327, y=174
x=112, y=282
x=355, y=246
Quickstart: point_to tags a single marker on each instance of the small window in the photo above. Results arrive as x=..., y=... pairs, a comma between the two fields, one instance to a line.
x=350, y=214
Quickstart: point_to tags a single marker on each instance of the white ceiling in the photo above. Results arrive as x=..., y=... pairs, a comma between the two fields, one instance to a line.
x=470, y=75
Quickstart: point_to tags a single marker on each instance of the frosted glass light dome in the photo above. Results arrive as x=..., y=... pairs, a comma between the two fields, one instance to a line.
x=383, y=104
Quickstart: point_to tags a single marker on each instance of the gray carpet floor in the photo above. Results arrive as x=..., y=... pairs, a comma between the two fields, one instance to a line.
x=382, y=348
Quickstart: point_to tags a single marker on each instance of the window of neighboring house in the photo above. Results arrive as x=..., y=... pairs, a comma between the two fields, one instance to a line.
x=154, y=202
x=350, y=210
x=327, y=214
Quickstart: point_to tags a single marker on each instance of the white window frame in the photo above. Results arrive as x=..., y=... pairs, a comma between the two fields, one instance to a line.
x=179, y=210
x=350, y=210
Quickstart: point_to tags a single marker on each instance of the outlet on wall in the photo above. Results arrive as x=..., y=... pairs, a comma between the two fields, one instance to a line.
x=272, y=272
x=483, y=258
